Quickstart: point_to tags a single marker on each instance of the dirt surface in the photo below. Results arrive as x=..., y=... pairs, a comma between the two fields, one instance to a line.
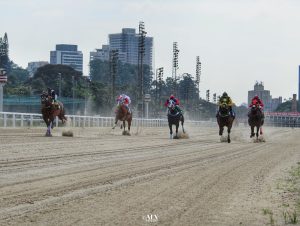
x=99, y=177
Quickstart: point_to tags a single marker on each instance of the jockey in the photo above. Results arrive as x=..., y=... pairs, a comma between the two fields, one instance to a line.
x=52, y=94
x=176, y=101
x=124, y=99
x=227, y=100
x=257, y=101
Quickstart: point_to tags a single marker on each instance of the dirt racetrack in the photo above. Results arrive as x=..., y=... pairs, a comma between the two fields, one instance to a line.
x=99, y=177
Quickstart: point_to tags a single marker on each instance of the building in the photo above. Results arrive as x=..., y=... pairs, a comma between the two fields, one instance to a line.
x=33, y=66
x=67, y=55
x=104, y=54
x=127, y=43
x=263, y=94
x=275, y=103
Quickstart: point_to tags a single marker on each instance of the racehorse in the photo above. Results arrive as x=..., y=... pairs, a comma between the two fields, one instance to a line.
x=50, y=111
x=123, y=114
x=174, y=117
x=255, y=119
x=224, y=118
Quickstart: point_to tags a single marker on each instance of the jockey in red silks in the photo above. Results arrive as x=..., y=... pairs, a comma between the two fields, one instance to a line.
x=124, y=99
x=176, y=101
x=255, y=100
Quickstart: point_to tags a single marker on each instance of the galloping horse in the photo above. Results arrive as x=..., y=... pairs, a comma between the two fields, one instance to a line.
x=123, y=115
x=174, y=117
x=224, y=118
x=50, y=111
x=256, y=119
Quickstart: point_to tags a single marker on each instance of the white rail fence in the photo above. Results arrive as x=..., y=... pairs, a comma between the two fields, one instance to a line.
x=12, y=119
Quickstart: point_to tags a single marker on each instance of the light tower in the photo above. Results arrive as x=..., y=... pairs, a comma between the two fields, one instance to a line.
x=141, y=54
x=159, y=78
x=4, y=66
x=175, y=66
x=113, y=63
x=198, y=74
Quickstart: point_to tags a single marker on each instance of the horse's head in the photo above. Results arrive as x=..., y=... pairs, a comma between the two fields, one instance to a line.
x=255, y=108
x=46, y=99
x=224, y=109
x=171, y=105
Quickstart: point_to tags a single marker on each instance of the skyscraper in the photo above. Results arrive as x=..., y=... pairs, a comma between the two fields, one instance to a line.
x=67, y=55
x=299, y=85
x=127, y=43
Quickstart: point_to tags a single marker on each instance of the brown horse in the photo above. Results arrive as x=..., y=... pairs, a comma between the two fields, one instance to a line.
x=50, y=111
x=224, y=118
x=123, y=114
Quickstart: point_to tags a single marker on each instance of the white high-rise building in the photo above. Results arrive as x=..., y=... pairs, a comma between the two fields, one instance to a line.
x=67, y=55
x=127, y=43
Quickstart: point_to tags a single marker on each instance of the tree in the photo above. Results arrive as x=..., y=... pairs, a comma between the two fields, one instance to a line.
x=54, y=76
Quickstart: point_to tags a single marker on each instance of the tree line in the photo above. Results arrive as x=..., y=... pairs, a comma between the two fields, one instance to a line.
x=98, y=87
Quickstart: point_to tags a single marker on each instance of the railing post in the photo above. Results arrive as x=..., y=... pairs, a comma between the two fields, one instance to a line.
x=22, y=120
x=31, y=120
x=5, y=119
x=14, y=120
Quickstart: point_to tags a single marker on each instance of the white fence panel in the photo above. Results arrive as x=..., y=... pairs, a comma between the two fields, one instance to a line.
x=13, y=119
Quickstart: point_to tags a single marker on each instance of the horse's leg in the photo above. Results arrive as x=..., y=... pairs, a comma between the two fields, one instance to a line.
x=182, y=121
x=221, y=129
x=124, y=125
x=252, y=132
x=257, y=130
x=116, y=121
x=177, y=126
x=171, y=132
x=261, y=131
x=52, y=124
x=228, y=137
x=129, y=124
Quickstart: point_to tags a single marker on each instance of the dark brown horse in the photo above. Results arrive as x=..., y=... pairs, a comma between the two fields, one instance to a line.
x=123, y=114
x=50, y=111
x=255, y=119
x=224, y=118
x=174, y=117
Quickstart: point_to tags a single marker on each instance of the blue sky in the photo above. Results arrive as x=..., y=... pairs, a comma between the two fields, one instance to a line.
x=239, y=42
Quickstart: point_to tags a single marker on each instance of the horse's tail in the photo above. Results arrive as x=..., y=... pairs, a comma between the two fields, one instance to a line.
x=62, y=116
